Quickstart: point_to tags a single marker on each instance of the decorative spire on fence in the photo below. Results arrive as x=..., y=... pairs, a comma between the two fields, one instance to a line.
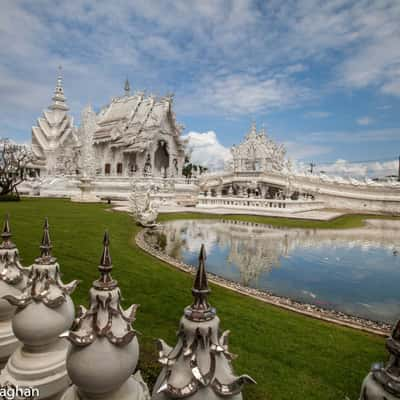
x=104, y=333
x=199, y=366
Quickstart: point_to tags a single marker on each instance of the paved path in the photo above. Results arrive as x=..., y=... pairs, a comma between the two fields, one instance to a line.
x=318, y=215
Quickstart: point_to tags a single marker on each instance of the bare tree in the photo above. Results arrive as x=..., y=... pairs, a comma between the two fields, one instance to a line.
x=13, y=161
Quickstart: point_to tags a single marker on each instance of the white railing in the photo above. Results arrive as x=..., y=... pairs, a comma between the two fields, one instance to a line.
x=258, y=204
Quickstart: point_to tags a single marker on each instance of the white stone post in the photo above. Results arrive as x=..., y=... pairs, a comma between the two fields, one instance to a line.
x=199, y=366
x=12, y=280
x=44, y=311
x=104, y=349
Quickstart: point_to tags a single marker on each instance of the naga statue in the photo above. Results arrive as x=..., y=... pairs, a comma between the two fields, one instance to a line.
x=144, y=212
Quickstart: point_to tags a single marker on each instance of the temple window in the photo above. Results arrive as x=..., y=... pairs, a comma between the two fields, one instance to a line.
x=107, y=169
x=119, y=168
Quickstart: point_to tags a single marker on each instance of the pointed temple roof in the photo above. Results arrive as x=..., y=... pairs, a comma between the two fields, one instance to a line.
x=59, y=100
x=131, y=122
x=55, y=127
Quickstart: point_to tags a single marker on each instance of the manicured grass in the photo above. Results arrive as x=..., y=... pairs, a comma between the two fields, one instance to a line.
x=291, y=356
x=342, y=222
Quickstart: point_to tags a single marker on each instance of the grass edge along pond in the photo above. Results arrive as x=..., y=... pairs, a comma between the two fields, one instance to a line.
x=289, y=355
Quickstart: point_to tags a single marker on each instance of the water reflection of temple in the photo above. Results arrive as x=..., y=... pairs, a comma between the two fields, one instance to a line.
x=256, y=249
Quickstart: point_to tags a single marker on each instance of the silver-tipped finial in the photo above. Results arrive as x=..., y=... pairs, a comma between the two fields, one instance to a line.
x=105, y=282
x=6, y=234
x=46, y=246
x=200, y=310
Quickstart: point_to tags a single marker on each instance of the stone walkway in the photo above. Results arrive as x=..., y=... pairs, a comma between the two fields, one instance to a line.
x=317, y=215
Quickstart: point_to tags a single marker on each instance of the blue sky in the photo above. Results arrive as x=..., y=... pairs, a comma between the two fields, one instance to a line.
x=322, y=76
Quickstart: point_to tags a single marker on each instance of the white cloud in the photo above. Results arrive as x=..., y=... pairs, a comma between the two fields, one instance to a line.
x=206, y=150
x=365, y=121
x=244, y=94
x=233, y=58
x=360, y=169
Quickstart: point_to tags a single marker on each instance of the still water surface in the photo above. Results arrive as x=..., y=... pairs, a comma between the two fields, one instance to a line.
x=356, y=271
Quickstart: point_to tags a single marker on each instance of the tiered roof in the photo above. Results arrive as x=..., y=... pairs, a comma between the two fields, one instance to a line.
x=56, y=125
x=132, y=122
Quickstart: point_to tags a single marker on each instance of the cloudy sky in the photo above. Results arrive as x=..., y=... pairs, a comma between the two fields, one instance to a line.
x=321, y=76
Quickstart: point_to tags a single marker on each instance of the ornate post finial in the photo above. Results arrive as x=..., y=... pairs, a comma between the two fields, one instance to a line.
x=105, y=282
x=6, y=234
x=200, y=310
x=199, y=366
x=201, y=282
x=46, y=246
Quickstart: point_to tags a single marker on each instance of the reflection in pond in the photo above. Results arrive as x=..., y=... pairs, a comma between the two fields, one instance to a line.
x=356, y=271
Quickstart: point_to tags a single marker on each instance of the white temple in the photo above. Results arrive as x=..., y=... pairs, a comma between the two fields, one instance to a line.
x=135, y=141
x=135, y=135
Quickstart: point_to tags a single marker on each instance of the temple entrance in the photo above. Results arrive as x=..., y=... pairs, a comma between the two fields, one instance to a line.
x=161, y=159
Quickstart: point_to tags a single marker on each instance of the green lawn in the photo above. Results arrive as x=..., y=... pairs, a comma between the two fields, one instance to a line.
x=342, y=222
x=290, y=356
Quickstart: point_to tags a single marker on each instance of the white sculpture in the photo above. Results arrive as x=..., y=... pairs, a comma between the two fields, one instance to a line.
x=44, y=311
x=142, y=207
x=13, y=278
x=87, y=158
x=104, y=348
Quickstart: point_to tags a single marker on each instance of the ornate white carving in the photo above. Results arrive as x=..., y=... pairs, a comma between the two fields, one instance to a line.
x=259, y=153
x=142, y=207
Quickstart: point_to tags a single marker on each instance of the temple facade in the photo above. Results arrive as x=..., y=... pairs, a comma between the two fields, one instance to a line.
x=135, y=135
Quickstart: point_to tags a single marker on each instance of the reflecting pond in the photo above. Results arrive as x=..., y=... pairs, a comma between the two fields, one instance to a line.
x=356, y=271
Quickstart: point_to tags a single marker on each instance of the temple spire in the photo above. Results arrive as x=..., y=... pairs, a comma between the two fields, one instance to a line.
x=127, y=88
x=253, y=130
x=105, y=282
x=263, y=131
x=200, y=310
x=59, y=100
x=253, y=127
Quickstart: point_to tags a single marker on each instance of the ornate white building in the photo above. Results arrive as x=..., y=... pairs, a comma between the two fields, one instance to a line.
x=137, y=138
x=55, y=142
x=135, y=135
x=258, y=153
x=261, y=180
